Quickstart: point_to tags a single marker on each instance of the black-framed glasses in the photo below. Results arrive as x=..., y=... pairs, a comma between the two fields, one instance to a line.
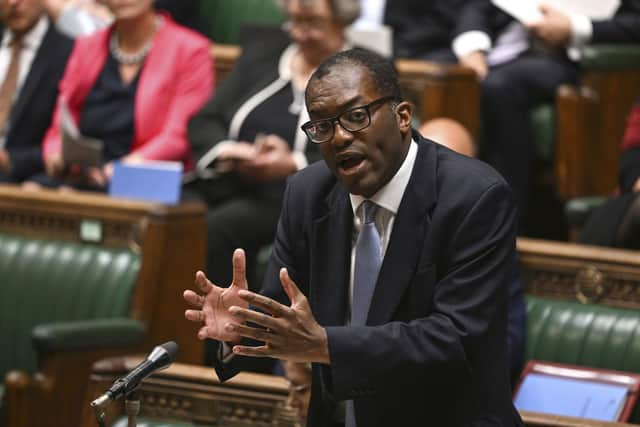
x=352, y=120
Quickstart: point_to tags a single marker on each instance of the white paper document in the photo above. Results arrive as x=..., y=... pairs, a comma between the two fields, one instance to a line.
x=76, y=148
x=527, y=11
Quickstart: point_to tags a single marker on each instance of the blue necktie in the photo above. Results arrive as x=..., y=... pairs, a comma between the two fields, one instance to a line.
x=368, y=258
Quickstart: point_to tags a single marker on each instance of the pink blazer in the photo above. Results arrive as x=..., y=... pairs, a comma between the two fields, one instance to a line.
x=177, y=79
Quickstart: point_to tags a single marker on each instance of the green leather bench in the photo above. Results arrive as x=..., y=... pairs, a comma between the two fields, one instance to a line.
x=58, y=297
x=84, y=277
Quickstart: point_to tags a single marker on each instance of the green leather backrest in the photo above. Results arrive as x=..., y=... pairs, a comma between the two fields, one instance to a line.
x=543, y=129
x=583, y=334
x=46, y=281
x=225, y=17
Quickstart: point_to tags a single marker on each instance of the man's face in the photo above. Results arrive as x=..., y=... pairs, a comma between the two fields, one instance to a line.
x=20, y=15
x=363, y=161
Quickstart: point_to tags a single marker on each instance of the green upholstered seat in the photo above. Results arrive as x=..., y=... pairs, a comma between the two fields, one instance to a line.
x=543, y=124
x=52, y=288
x=583, y=334
x=224, y=18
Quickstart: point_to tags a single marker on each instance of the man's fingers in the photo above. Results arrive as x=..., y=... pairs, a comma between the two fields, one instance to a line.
x=262, y=319
x=239, y=269
x=261, y=351
x=255, y=333
x=203, y=333
x=203, y=283
x=293, y=292
x=193, y=298
x=194, y=315
x=273, y=307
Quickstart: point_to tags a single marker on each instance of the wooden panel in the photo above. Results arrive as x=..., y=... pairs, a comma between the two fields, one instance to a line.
x=194, y=394
x=579, y=272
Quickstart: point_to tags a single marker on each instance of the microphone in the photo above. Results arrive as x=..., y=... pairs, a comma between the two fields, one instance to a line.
x=160, y=358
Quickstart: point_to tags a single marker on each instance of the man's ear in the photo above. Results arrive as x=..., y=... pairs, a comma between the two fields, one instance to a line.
x=404, y=112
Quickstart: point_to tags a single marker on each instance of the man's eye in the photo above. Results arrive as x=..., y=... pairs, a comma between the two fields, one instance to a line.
x=322, y=127
x=356, y=116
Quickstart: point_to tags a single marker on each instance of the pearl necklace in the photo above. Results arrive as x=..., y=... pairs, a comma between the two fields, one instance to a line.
x=130, y=58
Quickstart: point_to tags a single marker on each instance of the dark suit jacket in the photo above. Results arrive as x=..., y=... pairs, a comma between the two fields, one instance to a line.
x=434, y=347
x=420, y=27
x=623, y=27
x=32, y=112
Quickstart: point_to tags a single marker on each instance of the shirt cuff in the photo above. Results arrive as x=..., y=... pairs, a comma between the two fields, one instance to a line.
x=581, y=33
x=225, y=352
x=470, y=41
x=300, y=160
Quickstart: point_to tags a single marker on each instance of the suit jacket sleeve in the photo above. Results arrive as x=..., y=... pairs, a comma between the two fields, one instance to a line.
x=624, y=27
x=469, y=300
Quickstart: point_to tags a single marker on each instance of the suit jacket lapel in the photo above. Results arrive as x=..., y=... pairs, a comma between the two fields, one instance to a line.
x=331, y=259
x=411, y=226
x=36, y=74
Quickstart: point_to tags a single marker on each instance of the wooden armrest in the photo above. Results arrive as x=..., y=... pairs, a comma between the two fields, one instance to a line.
x=536, y=419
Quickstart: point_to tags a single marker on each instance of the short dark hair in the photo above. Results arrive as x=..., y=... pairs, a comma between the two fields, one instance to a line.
x=382, y=71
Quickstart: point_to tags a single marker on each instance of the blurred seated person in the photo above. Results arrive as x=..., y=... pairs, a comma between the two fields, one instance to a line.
x=32, y=59
x=520, y=65
x=247, y=139
x=82, y=17
x=299, y=376
x=617, y=222
x=455, y=136
x=134, y=86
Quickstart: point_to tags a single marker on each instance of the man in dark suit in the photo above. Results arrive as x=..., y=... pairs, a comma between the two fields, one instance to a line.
x=403, y=313
x=520, y=65
x=30, y=102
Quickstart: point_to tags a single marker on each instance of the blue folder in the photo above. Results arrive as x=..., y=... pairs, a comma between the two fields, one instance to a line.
x=151, y=181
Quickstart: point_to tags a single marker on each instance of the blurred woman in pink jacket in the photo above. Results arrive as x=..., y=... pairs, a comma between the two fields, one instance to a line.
x=134, y=86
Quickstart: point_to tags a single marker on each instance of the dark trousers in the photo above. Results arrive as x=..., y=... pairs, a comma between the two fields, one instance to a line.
x=508, y=94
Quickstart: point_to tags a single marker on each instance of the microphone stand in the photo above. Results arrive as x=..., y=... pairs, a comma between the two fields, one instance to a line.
x=132, y=408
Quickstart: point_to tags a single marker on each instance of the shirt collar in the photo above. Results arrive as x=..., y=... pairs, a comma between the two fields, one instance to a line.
x=389, y=196
x=34, y=36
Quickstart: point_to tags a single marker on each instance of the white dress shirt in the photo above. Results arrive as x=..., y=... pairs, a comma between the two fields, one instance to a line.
x=30, y=44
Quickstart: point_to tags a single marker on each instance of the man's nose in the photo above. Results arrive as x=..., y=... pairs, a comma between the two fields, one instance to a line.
x=341, y=136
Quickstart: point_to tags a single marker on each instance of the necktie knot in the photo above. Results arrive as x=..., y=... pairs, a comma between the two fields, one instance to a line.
x=369, y=210
x=16, y=42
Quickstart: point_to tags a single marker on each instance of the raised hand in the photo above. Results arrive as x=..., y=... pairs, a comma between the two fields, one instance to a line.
x=214, y=303
x=292, y=332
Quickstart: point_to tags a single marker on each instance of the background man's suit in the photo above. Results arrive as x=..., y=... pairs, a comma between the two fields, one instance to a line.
x=32, y=111
x=513, y=88
x=437, y=352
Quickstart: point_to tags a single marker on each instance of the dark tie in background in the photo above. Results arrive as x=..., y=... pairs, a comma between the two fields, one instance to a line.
x=10, y=84
x=368, y=258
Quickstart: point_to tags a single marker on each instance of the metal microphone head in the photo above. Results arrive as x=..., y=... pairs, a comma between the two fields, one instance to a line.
x=164, y=354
